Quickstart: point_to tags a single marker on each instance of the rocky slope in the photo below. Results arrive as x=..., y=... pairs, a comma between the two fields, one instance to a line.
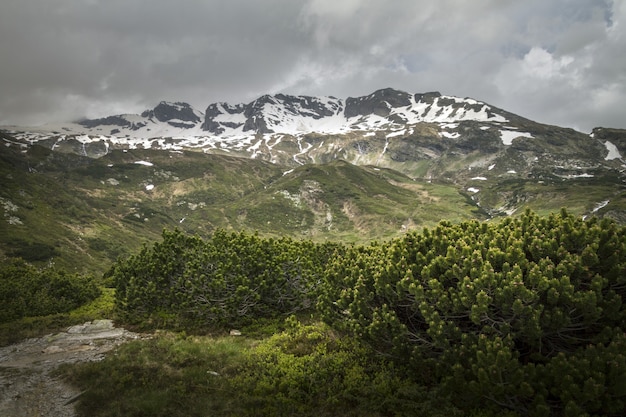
x=427, y=136
x=418, y=134
x=28, y=386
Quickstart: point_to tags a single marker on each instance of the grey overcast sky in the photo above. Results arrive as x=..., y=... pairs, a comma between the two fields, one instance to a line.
x=560, y=62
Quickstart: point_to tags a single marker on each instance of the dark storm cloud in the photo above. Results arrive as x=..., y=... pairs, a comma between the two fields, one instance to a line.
x=558, y=62
x=134, y=53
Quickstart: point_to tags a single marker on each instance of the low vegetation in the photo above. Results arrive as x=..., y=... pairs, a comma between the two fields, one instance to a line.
x=521, y=317
x=303, y=370
x=527, y=313
x=29, y=291
x=228, y=280
x=35, y=301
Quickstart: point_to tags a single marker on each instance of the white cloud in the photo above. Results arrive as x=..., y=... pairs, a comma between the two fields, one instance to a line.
x=539, y=63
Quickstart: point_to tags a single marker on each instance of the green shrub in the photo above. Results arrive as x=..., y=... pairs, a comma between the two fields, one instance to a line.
x=31, y=251
x=229, y=279
x=496, y=312
x=309, y=370
x=26, y=291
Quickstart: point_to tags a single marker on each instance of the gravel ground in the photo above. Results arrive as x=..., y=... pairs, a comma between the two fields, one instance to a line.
x=27, y=387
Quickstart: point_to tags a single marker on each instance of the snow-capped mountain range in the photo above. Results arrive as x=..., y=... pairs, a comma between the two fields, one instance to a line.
x=426, y=135
x=241, y=126
x=382, y=110
x=499, y=161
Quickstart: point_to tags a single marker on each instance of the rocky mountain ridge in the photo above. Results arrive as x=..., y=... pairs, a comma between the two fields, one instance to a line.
x=497, y=158
x=286, y=114
x=272, y=114
x=322, y=168
x=388, y=128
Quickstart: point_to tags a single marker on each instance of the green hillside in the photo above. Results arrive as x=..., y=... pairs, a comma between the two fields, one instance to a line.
x=83, y=213
x=439, y=306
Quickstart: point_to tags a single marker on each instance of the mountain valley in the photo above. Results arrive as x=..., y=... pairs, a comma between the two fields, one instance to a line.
x=82, y=194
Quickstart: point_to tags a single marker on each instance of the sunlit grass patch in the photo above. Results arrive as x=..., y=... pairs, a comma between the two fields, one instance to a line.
x=305, y=370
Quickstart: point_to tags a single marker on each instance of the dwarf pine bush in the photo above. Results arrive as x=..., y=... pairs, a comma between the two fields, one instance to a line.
x=527, y=313
x=229, y=279
x=28, y=291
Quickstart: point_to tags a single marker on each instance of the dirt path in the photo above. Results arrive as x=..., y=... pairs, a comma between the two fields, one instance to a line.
x=26, y=386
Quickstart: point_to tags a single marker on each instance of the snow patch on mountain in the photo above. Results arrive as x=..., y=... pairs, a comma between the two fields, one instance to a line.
x=226, y=117
x=598, y=207
x=9, y=209
x=145, y=163
x=601, y=205
x=583, y=175
x=298, y=119
x=507, y=136
x=448, y=109
x=397, y=133
x=450, y=135
x=613, y=151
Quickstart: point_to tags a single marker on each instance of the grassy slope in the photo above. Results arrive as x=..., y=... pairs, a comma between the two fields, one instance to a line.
x=86, y=213
x=83, y=213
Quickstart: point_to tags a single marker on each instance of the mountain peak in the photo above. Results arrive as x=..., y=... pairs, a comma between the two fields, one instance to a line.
x=379, y=103
x=299, y=115
x=174, y=112
x=382, y=109
x=164, y=119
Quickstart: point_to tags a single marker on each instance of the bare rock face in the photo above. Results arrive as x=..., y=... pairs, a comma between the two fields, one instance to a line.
x=27, y=387
x=379, y=103
x=177, y=115
x=105, y=121
x=180, y=115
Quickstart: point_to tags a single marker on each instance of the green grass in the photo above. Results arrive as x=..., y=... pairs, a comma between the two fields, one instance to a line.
x=168, y=375
x=73, y=216
x=27, y=327
x=306, y=370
